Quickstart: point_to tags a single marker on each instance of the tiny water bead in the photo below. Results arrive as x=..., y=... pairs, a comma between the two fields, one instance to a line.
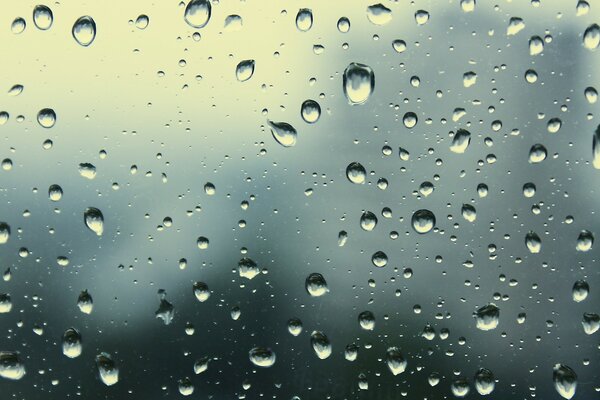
x=84, y=31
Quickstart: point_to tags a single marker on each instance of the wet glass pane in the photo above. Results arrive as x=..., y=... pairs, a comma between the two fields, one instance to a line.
x=299, y=199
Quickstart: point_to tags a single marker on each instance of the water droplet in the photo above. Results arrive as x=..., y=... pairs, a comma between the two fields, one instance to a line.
x=343, y=25
x=366, y=320
x=591, y=37
x=165, y=310
x=536, y=45
x=581, y=289
x=484, y=381
x=107, y=369
x=591, y=323
x=262, y=357
x=18, y=25
x=244, y=70
x=5, y=303
x=460, y=387
x=11, y=366
x=410, y=120
x=201, y=291
x=379, y=259
x=15, y=90
x=469, y=79
x=533, y=242
x=423, y=221
x=460, y=141
x=368, y=221
x=531, y=76
x=379, y=14
x=4, y=232
x=351, y=352
x=247, y=268
x=537, y=153
x=304, y=19
x=395, y=361
x=55, y=192
x=468, y=212
x=582, y=8
x=85, y=302
x=46, y=117
x=585, y=241
x=202, y=243
x=42, y=17
x=421, y=17
x=591, y=95
x=467, y=5
x=433, y=379
x=342, y=238
x=294, y=326
x=356, y=173
x=209, y=189
x=185, y=387
x=554, y=125
x=487, y=317
x=320, y=344
x=316, y=285
x=87, y=170
x=515, y=25
x=399, y=46
x=71, y=343
x=94, y=220
x=84, y=30
x=201, y=365
x=310, y=111
x=197, y=13
x=142, y=21
x=284, y=133
x=565, y=380
x=359, y=83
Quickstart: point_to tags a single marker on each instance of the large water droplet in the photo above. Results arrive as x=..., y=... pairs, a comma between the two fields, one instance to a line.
x=351, y=352
x=46, y=117
x=343, y=25
x=320, y=344
x=368, y=221
x=85, y=302
x=515, y=25
x=11, y=366
x=366, y=320
x=201, y=291
x=468, y=212
x=585, y=241
x=316, y=285
x=537, y=153
x=379, y=14
x=379, y=259
x=107, y=369
x=233, y=23
x=423, y=221
x=247, y=268
x=421, y=17
x=197, y=13
x=310, y=111
x=591, y=323
x=460, y=387
x=84, y=30
x=484, y=381
x=244, y=70
x=94, y=220
x=356, y=173
x=71, y=343
x=142, y=21
x=284, y=133
x=358, y=83
x=591, y=37
x=460, y=141
x=536, y=45
x=294, y=326
x=395, y=361
x=565, y=380
x=185, y=386
x=42, y=17
x=4, y=232
x=533, y=242
x=581, y=289
x=410, y=120
x=487, y=317
x=262, y=357
x=304, y=19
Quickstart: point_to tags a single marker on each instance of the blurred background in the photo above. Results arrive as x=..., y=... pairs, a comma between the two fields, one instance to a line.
x=156, y=108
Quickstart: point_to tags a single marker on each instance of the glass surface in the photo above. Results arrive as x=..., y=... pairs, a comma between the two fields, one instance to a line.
x=299, y=199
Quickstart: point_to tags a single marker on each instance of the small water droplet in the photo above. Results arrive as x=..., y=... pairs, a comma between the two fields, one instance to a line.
x=185, y=387
x=591, y=323
x=467, y=5
x=166, y=310
x=18, y=25
x=421, y=17
x=410, y=120
x=366, y=320
x=484, y=381
x=85, y=302
x=533, y=242
x=310, y=111
x=536, y=45
x=460, y=387
x=356, y=173
x=55, y=193
x=565, y=380
x=4, y=232
x=460, y=141
x=515, y=25
x=142, y=21
x=343, y=25
x=399, y=46
x=284, y=133
x=94, y=220
x=537, y=153
x=379, y=259
x=84, y=30
x=233, y=23
x=591, y=37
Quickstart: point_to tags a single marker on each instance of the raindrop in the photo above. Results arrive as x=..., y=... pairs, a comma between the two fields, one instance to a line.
x=165, y=311
x=107, y=369
x=320, y=344
x=379, y=14
x=366, y=320
x=585, y=241
x=537, y=153
x=343, y=25
x=4, y=232
x=84, y=30
x=310, y=111
x=284, y=133
x=94, y=220
x=356, y=173
x=87, y=170
x=554, y=125
x=536, y=45
x=316, y=285
x=202, y=243
x=351, y=352
x=484, y=381
x=142, y=21
x=460, y=387
x=395, y=361
x=244, y=70
x=201, y=291
x=55, y=192
x=233, y=23
x=71, y=343
x=421, y=17
x=185, y=386
x=304, y=19
x=591, y=37
x=46, y=117
x=201, y=365
x=596, y=148
x=368, y=221
x=294, y=326
x=5, y=303
x=410, y=120
x=11, y=366
x=515, y=25
x=469, y=213
x=591, y=95
x=533, y=242
x=565, y=380
x=581, y=289
x=358, y=83
x=197, y=13
x=399, y=46
x=487, y=317
x=379, y=259
x=467, y=5
x=18, y=25
x=85, y=302
x=15, y=90
x=460, y=141
x=262, y=357
x=423, y=221
x=591, y=323
x=42, y=17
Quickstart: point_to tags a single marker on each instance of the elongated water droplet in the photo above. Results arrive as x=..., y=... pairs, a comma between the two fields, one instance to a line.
x=11, y=366
x=316, y=285
x=85, y=302
x=596, y=148
x=201, y=365
x=5, y=303
x=310, y=111
x=515, y=25
x=46, y=117
x=533, y=242
x=581, y=289
x=107, y=369
x=536, y=45
x=582, y=8
x=487, y=317
x=342, y=238
x=244, y=70
x=87, y=170
x=247, y=268
x=460, y=141
x=379, y=14
x=395, y=361
x=591, y=95
x=484, y=381
x=18, y=25
x=565, y=381
x=591, y=37
x=320, y=344
x=94, y=220
x=197, y=13
x=84, y=30
x=358, y=83
x=262, y=357
x=585, y=241
x=4, y=232
x=15, y=90
x=304, y=19
x=166, y=310
x=591, y=323
x=284, y=133
x=71, y=343
x=42, y=17
x=468, y=212
x=423, y=221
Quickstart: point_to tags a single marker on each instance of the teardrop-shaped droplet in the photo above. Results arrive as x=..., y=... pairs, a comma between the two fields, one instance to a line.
x=487, y=317
x=460, y=141
x=284, y=133
x=42, y=17
x=4, y=232
x=591, y=95
x=71, y=343
x=591, y=323
x=585, y=241
x=185, y=387
x=316, y=285
x=142, y=21
x=197, y=13
x=304, y=19
x=94, y=220
x=423, y=221
x=591, y=37
x=366, y=320
x=15, y=90
x=18, y=25
x=84, y=30
x=565, y=381
x=107, y=369
x=395, y=361
x=342, y=238
x=356, y=173
x=581, y=289
x=262, y=357
x=201, y=365
x=11, y=366
x=359, y=83
x=247, y=268
x=484, y=381
x=320, y=344
x=460, y=387
x=46, y=117
x=533, y=242
x=244, y=70
x=201, y=291
x=379, y=14
x=310, y=111
x=85, y=302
